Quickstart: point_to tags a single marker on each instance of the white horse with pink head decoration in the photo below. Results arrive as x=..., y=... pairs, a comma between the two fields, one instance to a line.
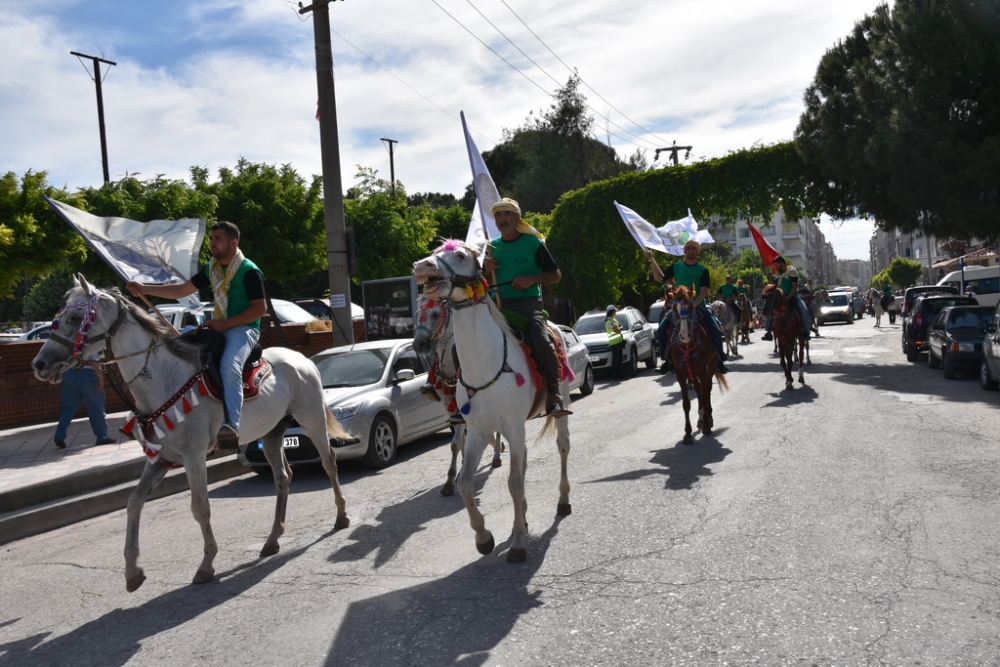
x=496, y=391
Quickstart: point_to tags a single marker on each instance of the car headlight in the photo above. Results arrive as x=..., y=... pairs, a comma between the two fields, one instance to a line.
x=345, y=411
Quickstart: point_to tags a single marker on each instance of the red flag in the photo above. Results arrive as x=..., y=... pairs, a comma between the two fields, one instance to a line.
x=766, y=250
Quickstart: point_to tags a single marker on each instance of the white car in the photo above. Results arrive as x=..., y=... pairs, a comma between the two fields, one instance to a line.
x=579, y=361
x=373, y=389
x=639, y=339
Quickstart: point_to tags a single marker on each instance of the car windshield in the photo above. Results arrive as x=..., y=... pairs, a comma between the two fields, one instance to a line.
x=592, y=324
x=838, y=299
x=353, y=368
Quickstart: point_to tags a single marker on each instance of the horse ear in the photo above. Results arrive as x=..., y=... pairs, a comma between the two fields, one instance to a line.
x=81, y=281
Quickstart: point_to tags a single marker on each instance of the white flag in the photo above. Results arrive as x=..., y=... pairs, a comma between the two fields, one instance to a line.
x=670, y=238
x=159, y=251
x=483, y=227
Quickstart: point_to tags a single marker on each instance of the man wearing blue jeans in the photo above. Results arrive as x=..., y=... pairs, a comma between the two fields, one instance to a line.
x=238, y=287
x=82, y=385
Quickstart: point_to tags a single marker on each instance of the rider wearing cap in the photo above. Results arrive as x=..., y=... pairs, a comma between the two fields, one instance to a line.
x=616, y=342
x=729, y=293
x=693, y=275
x=522, y=264
x=787, y=279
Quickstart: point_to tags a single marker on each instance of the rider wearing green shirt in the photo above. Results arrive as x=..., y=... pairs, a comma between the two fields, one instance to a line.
x=787, y=279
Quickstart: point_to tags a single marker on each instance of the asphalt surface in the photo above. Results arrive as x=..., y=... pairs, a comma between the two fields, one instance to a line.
x=43, y=487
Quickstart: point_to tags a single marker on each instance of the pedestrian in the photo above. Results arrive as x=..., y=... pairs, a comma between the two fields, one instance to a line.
x=523, y=264
x=83, y=385
x=238, y=287
x=616, y=341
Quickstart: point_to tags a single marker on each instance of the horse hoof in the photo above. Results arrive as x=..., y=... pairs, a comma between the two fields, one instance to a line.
x=342, y=522
x=518, y=555
x=486, y=547
x=707, y=430
x=270, y=550
x=448, y=490
x=688, y=440
x=132, y=583
x=203, y=576
x=497, y=462
x=564, y=509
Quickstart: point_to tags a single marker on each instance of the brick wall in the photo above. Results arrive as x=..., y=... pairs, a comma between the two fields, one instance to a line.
x=24, y=400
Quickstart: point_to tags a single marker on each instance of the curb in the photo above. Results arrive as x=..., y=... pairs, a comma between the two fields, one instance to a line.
x=51, y=505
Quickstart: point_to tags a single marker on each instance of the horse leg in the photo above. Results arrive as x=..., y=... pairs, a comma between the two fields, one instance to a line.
x=331, y=426
x=803, y=346
x=197, y=475
x=282, y=482
x=563, y=508
x=475, y=444
x=152, y=475
x=686, y=402
x=515, y=484
x=705, y=403
x=457, y=438
x=497, y=443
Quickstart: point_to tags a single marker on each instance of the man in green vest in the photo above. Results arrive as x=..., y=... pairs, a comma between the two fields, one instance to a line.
x=728, y=293
x=616, y=342
x=522, y=265
x=238, y=287
x=693, y=275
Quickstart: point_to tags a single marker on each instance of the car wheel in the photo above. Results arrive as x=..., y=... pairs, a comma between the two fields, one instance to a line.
x=949, y=368
x=932, y=361
x=587, y=388
x=381, y=443
x=911, y=353
x=986, y=381
x=651, y=359
x=632, y=368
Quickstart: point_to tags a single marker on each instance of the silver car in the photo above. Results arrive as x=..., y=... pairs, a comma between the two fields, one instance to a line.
x=579, y=361
x=639, y=345
x=373, y=389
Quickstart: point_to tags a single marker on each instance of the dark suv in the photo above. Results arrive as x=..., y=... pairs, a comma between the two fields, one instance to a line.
x=921, y=314
x=911, y=294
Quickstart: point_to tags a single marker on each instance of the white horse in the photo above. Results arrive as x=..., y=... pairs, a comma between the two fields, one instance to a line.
x=433, y=322
x=174, y=427
x=495, y=390
x=875, y=297
x=819, y=299
x=729, y=324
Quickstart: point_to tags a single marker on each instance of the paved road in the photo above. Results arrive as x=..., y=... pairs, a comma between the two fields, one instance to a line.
x=851, y=521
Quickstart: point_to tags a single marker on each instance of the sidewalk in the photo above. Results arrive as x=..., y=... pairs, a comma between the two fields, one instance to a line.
x=43, y=487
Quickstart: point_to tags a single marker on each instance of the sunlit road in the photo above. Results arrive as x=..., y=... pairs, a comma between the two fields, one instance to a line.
x=849, y=521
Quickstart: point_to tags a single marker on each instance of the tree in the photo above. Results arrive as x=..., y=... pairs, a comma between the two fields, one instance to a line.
x=902, y=121
x=48, y=296
x=904, y=272
x=33, y=240
x=553, y=154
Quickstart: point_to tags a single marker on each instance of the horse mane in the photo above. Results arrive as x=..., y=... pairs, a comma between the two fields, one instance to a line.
x=682, y=293
x=771, y=287
x=455, y=244
x=155, y=326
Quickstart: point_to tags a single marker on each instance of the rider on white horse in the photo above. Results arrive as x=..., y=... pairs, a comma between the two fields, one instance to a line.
x=788, y=282
x=522, y=264
x=238, y=287
x=690, y=272
x=728, y=294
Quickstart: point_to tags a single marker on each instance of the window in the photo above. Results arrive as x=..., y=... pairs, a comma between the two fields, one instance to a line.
x=745, y=233
x=408, y=360
x=767, y=231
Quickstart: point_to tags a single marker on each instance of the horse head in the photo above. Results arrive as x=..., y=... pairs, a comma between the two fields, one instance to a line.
x=79, y=330
x=683, y=314
x=432, y=324
x=450, y=273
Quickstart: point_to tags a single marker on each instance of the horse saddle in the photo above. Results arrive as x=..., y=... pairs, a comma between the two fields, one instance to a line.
x=210, y=344
x=519, y=323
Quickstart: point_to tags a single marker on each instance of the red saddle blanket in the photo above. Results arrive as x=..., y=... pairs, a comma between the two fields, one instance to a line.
x=253, y=379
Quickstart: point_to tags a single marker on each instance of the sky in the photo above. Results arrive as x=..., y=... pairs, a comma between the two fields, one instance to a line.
x=206, y=83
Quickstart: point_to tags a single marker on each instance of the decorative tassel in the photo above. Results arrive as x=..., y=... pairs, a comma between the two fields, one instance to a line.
x=140, y=436
x=178, y=416
x=169, y=424
x=466, y=408
x=129, y=425
x=194, y=398
x=202, y=389
x=158, y=431
x=519, y=379
x=187, y=406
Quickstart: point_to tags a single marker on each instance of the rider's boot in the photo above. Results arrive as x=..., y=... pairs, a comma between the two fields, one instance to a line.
x=767, y=336
x=555, y=405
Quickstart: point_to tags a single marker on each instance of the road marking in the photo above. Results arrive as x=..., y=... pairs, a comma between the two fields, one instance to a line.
x=916, y=399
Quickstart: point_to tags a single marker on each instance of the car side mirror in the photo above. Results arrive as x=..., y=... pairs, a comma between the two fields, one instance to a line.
x=638, y=326
x=992, y=328
x=405, y=374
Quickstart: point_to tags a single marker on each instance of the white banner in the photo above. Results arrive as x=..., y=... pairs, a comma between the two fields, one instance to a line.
x=159, y=251
x=483, y=227
x=670, y=238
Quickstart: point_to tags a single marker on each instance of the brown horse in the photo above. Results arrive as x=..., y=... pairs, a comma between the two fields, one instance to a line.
x=695, y=361
x=746, y=317
x=787, y=330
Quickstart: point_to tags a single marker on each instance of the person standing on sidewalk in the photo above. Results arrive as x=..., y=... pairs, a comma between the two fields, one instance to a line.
x=616, y=342
x=238, y=287
x=83, y=385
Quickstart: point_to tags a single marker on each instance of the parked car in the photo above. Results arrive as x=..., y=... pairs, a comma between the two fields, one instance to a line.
x=373, y=389
x=579, y=362
x=39, y=332
x=321, y=309
x=924, y=310
x=955, y=338
x=286, y=312
x=639, y=345
x=858, y=305
x=911, y=294
x=989, y=367
x=839, y=309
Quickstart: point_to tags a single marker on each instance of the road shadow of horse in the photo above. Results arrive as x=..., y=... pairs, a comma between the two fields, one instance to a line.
x=682, y=464
x=454, y=620
x=117, y=637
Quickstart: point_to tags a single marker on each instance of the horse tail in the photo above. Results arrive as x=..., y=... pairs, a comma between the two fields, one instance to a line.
x=723, y=383
x=333, y=426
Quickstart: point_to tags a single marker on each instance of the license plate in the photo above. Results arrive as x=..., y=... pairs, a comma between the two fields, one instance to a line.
x=290, y=442
x=593, y=359
x=966, y=347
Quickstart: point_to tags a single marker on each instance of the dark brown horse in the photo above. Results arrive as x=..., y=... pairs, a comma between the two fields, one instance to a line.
x=787, y=330
x=695, y=361
x=746, y=317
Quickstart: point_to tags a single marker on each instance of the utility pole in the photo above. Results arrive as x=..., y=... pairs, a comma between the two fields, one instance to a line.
x=673, y=150
x=333, y=191
x=392, y=166
x=100, y=108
